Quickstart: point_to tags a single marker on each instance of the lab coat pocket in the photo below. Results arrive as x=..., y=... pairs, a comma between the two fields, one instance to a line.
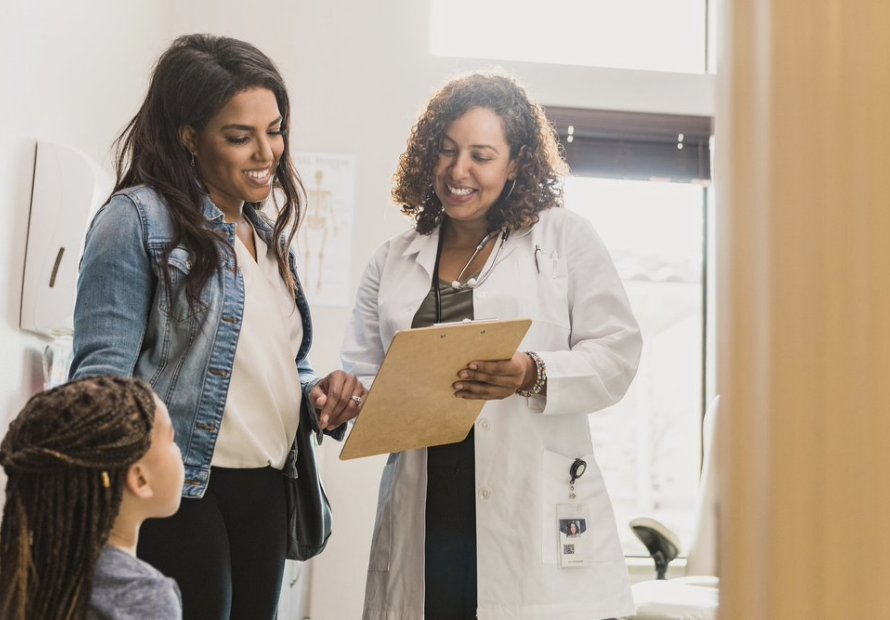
x=381, y=543
x=590, y=490
x=545, y=297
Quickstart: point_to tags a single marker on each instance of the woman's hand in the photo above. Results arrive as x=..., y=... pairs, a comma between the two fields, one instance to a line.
x=494, y=380
x=334, y=399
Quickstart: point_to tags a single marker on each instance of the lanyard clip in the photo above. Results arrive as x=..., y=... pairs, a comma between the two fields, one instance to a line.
x=577, y=469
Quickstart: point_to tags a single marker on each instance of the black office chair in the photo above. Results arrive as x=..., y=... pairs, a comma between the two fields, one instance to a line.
x=694, y=596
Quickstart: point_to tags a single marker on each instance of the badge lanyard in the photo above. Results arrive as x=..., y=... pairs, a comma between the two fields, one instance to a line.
x=572, y=524
x=576, y=471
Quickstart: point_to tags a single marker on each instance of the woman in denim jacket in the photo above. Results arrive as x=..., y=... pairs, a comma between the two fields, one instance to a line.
x=187, y=284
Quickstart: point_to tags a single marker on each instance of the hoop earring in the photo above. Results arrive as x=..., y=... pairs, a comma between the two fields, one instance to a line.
x=509, y=192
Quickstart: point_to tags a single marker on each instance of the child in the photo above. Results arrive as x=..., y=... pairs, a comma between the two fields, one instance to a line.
x=87, y=462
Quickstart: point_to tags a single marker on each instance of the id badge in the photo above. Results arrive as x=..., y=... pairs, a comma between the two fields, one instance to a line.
x=572, y=521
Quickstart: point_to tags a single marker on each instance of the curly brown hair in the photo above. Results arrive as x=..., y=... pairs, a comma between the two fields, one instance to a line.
x=67, y=455
x=532, y=140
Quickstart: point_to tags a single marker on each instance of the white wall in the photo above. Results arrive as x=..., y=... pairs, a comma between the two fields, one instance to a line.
x=358, y=74
x=73, y=72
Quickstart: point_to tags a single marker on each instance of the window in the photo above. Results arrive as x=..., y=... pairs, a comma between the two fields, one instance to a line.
x=643, y=180
x=653, y=35
x=647, y=198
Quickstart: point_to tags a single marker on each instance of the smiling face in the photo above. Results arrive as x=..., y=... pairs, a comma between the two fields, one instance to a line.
x=474, y=166
x=237, y=152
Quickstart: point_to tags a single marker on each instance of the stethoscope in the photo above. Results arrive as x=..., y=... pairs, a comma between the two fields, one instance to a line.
x=472, y=282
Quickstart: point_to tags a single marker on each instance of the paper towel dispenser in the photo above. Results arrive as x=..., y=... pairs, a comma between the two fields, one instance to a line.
x=68, y=188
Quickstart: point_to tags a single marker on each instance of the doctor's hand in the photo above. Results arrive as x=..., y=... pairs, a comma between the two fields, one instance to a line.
x=495, y=379
x=337, y=398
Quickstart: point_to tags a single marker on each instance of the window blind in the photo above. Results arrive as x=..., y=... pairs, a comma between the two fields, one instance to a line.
x=634, y=145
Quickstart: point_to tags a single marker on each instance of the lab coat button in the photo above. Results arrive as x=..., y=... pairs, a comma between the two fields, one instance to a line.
x=484, y=493
x=484, y=425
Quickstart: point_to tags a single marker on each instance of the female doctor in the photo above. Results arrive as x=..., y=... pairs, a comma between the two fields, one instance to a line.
x=471, y=529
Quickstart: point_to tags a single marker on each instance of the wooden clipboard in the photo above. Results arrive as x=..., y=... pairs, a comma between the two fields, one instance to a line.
x=411, y=403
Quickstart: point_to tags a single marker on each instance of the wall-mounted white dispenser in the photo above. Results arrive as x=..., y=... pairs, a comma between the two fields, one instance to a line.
x=68, y=188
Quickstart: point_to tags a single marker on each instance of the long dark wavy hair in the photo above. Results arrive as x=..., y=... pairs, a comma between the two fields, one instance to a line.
x=532, y=140
x=66, y=455
x=191, y=82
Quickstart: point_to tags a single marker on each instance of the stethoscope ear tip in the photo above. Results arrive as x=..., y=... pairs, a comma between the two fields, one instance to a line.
x=471, y=283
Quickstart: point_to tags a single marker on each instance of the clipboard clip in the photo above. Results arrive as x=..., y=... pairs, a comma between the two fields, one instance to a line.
x=465, y=322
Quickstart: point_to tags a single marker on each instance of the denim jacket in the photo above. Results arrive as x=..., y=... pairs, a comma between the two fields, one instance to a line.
x=126, y=324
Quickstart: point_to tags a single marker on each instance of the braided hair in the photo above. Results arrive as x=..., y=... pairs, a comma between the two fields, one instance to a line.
x=66, y=455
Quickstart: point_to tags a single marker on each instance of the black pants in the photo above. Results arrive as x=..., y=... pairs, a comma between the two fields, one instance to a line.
x=450, y=545
x=225, y=550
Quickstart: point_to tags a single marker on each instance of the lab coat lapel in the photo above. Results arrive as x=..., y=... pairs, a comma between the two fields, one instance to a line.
x=424, y=248
x=512, y=243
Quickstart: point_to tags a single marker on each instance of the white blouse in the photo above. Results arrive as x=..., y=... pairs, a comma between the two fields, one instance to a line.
x=263, y=404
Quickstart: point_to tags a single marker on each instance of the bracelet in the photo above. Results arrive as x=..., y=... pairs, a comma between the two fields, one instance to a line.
x=540, y=380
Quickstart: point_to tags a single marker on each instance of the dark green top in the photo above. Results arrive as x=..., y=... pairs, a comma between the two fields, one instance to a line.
x=457, y=305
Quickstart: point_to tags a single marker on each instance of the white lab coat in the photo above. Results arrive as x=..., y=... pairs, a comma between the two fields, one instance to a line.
x=559, y=274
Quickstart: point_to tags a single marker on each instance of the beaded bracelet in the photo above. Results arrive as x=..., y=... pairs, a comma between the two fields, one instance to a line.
x=541, y=379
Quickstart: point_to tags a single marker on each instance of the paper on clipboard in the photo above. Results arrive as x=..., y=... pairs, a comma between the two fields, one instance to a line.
x=411, y=403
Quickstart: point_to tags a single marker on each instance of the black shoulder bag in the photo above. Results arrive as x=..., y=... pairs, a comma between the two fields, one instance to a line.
x=309, y=517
